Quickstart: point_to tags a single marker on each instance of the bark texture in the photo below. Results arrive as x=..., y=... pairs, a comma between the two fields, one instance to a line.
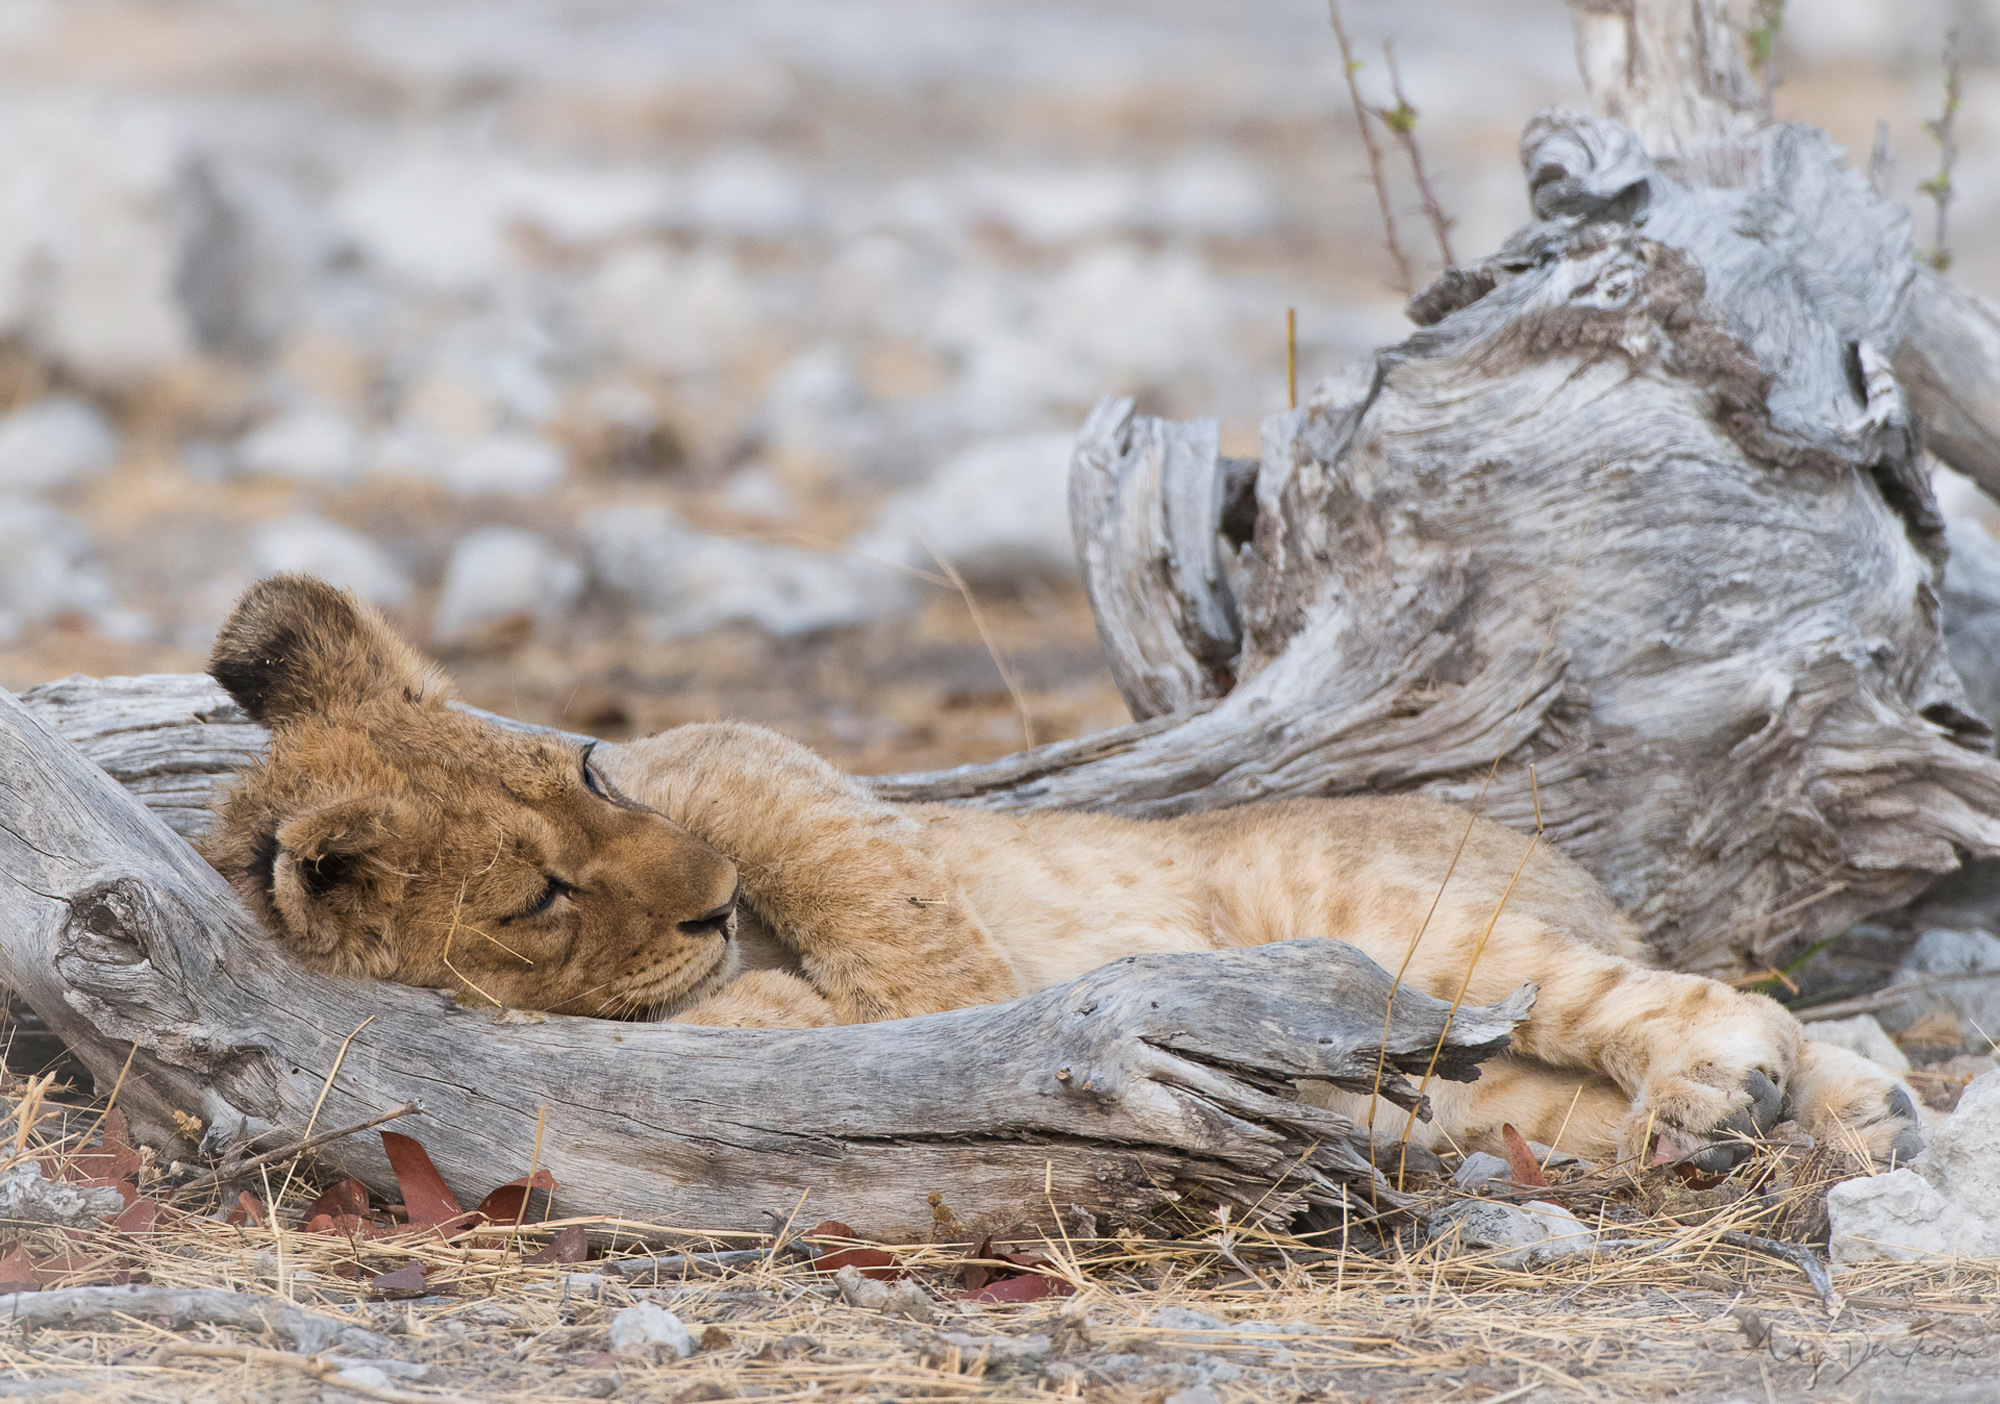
x=1159, y=1083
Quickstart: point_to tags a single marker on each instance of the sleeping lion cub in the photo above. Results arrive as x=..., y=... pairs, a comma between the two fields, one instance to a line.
x=721, y=874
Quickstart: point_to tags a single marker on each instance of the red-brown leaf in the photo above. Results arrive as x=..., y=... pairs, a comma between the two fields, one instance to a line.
x=978, y=1274
x=872, y=1262
x=341, y=1199
x=249, y=1210
x=506, y=1203
x=18, y=1271
x=1526, y=1170
x=115, y=1161
x=424, y=1193
x=1028, y=1287
x=569, y=1245
x=405, y=1281
x=137, y=1218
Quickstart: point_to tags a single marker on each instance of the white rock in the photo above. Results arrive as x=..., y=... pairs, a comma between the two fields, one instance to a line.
x=1479, y=1168
x=48, y=569
x=306, y=445
x=904, y=1298
x=1861, y=1034
x=498, y=578
x=646, y=1328
x=758, y=492
x=1212, y=191
x=516, y=465
x=55, y=442
x=999, y=512
x=668, y=312
x=1949, y=953
x=745, y=190
x=689, y=582
x=1945, y=1203
x=1513, y=1237
x=307, y=545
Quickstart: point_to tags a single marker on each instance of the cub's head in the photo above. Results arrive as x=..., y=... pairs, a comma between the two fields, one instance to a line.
x=387, y=834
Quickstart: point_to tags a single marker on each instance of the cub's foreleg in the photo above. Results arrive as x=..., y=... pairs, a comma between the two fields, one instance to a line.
x=842, y=880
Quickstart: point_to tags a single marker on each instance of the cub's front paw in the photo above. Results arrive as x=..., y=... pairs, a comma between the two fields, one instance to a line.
x=1843, y=1099
x=1705, y=1117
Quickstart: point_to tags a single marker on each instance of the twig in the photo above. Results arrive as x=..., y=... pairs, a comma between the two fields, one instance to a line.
x=223, y=1174
x=693, y=1264
x=178, y=1308
x=320, y=1367
x=1882, y=999
x=1801, y=1258
x=992, y=644
x=1349, y=66
x=1291, y=358
x=1401, y=120
x=1767, y=17
x=1944, y=131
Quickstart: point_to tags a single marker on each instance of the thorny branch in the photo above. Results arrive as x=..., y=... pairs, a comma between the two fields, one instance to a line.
x=1945, y=132
x=1349, y=66
x=1402, y=120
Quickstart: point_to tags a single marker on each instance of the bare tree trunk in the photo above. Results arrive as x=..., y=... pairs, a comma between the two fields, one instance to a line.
x=1159, y=1082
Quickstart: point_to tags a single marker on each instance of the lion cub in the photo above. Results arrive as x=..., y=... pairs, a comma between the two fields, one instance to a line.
x=387, y=834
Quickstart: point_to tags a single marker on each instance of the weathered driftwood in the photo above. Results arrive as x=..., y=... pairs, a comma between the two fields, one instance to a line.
x=1160, y=1082
x=1640, y=514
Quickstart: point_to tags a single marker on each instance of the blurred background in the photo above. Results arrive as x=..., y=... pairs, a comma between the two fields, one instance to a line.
x=644, y=358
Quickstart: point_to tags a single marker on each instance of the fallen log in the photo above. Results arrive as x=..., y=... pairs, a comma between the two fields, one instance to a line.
x=1158, y=1084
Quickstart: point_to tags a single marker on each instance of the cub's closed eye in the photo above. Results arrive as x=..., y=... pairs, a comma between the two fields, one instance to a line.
x=556, y=888
x=591, y=781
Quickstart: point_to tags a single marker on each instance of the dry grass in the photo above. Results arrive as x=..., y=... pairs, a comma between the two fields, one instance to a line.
x=1668, y=1307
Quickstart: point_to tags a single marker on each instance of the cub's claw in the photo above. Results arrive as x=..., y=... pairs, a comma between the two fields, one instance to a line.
x=1723, y=1145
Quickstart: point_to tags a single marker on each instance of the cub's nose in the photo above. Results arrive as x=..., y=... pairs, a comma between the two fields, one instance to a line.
x=715, y=923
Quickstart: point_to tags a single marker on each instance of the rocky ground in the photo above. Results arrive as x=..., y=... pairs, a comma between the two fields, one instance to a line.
x=644, y=358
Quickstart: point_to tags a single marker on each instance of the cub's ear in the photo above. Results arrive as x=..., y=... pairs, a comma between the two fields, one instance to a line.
x=295, y=646
x=333, y=884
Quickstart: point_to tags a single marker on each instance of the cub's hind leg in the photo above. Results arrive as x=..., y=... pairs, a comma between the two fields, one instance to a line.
x=842, y=881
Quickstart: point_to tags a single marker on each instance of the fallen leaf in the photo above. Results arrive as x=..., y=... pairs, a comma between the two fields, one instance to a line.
x=569, y=1245
x=424, y=1193
x=978, y=1274
x=1028, y=1287
x=114, y=1161
x=137, y=1218
x=405, y=1281
x=505, y=1204
x=341, y=1199
x=871, y=1262
x=715, y=1338
x=249, y=1210
x=18, y=1271
x=1520, y=1160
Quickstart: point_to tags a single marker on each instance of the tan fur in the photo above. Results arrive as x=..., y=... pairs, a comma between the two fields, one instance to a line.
x=410, y=841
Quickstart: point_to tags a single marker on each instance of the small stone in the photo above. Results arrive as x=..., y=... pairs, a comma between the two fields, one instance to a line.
x=54, y=443
x=1174, y=1318
x=499, y=584
x=514, y=465
x=645, y=1329
x=1861, y=1034
x=1479, y=1169
x=1194, y=1394
x=305, y=446
x=1515, y=1237
x=904, y=1299
x=309, y=545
